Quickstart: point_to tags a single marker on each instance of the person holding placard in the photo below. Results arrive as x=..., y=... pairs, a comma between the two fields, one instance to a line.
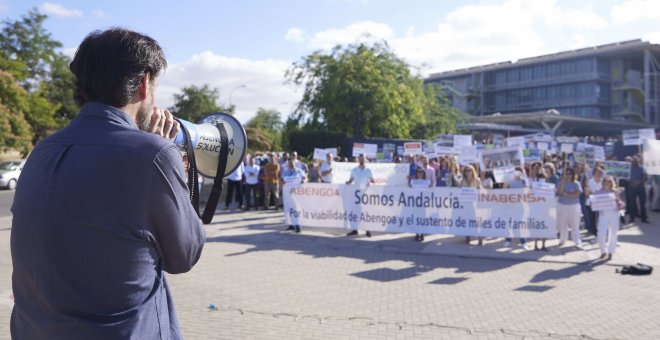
x=517, y=182
x=293, y=174
x=608, y=220
x=595, y=184
x=251, y=183
x=326, y=169
x=540, y=178
x=362, y=176
x=568, y=208
x=471, y=180
x=420, y=181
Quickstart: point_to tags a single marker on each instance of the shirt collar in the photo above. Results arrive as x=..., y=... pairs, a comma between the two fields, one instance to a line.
x=100, y=110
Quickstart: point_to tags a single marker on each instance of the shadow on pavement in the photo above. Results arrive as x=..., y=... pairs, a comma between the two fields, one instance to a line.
x=380, y=251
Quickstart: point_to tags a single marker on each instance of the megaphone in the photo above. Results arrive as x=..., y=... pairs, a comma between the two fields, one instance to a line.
x=215, y=147
x=206, y=142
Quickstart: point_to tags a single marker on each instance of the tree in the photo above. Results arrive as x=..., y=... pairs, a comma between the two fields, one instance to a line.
x=365, y=91
x=267, y=124
x=60, y=87
x=15, y=131
x=28, y=42
x=439, y=116
x=195, y=102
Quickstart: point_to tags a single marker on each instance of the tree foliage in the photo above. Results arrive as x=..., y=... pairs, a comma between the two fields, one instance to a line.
x=439, y=117
x=59, y=88
x=365, y=91
x=27, y=41
x=15, y=131
x=195, y=102
x=29, y=54
x=268, y=123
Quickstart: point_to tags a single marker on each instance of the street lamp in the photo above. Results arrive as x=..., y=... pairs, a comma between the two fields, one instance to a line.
x=234, y=89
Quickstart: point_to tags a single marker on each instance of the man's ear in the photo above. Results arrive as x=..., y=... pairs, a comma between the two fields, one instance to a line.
x=143, y=90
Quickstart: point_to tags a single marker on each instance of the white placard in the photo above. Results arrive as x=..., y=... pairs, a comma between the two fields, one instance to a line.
x=292, y=179
x=651, y=155
x=420, y=183
x=600, y=202
x=543, y=189
x=567, y=147
x=515, y=141
x=359, y=148
x=462, y=140
x=319, y=154
x=468, y=155
x=505, y=174
x=469, y=194
x=645, y=134
x=501, y=157
x=543, y=146
x=413, y=148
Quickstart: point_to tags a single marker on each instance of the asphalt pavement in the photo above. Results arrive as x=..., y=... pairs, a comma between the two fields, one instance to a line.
x=257, y=281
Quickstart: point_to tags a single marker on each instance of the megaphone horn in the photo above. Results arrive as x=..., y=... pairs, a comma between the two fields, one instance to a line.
x=215, y=146
x=206, y=142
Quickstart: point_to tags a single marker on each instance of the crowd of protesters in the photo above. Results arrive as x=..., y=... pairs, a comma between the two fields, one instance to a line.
x=257, y=184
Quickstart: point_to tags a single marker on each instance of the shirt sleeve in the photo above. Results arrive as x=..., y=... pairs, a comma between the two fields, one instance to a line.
x=177, y=231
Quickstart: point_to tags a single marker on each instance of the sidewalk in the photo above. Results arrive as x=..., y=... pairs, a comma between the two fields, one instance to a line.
x=268, y=283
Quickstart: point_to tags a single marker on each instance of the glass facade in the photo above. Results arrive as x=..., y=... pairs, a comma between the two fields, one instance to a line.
x=583, y=87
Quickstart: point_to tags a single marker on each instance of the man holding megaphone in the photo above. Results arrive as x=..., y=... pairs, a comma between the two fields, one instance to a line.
x=102, y=208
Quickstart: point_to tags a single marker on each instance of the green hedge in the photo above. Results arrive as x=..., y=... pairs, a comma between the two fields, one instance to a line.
x=304, y=142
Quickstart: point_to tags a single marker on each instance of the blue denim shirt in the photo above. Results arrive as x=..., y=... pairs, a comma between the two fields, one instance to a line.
x=101, y=210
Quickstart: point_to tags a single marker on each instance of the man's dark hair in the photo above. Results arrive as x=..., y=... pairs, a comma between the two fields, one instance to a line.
x=109, y=65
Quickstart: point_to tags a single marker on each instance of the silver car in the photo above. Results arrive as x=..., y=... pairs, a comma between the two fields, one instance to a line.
x=9, y=173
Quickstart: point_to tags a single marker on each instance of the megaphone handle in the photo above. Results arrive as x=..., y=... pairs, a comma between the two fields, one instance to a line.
x=192, y=168
x=212, y=202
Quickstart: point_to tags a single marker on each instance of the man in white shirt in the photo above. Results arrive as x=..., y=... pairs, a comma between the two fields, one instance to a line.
x=251, y=183
x=326, y=169
x=234, y=182
x=362, y=176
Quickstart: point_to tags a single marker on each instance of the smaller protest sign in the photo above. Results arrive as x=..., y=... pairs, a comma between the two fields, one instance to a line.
x=468, y=194
x=567, y=147
x=292, y=179
x=420, y=183
x=631, y=137
x=600, y=202
x=504, y=174
x=444, y=145
x=413, y=148
x=515, y=141
x=503, y=157
x=532, y=155
x=358, y=148
x=462, y=140
x=645, y=134
x=468, y=155
x=543, y=189
x=617, y=169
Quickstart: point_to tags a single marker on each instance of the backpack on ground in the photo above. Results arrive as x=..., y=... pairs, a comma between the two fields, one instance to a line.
x=636, y=269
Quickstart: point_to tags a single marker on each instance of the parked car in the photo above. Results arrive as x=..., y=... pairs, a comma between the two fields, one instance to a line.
x=9, y=173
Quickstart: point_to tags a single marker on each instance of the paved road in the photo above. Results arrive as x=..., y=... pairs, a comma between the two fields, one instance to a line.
x=272, y=284
x=6, y=200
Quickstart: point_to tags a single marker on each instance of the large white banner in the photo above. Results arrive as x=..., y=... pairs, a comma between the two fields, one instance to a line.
x=399, y=209
x=384, y=173
x=651, y=155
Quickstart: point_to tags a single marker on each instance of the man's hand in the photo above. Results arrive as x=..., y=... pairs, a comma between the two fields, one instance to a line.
x=163, y=124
